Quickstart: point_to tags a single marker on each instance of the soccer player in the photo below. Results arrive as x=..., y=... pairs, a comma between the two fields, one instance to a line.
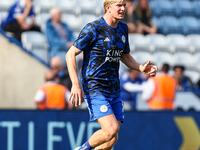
x=104, y=43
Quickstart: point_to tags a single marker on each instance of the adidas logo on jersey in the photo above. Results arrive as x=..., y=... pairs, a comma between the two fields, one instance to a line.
x=107, y=39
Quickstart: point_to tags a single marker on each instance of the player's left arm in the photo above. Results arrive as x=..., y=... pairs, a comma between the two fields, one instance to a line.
x=130, y=62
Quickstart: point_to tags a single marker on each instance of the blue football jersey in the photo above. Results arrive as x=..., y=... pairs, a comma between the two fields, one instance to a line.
x=102, y=46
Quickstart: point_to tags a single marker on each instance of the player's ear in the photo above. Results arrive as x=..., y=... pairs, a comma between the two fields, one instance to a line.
x=107, y=7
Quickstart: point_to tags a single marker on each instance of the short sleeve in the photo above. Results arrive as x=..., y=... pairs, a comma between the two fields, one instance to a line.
x=40, y=96
x=127, y=47
x=86, y=37
x=67, y=95
x=17, y=11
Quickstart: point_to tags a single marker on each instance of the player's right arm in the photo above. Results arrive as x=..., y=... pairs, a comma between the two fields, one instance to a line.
x=76, y=91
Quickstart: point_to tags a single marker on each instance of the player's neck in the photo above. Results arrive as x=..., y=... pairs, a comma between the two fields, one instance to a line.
x=110, y=20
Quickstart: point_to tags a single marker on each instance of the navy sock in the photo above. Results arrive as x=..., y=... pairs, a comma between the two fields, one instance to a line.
x=86, y=146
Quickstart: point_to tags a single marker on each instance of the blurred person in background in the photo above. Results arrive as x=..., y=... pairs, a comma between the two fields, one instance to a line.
x=58, y=33
x=60, y=69
x=143, y=18
x=184, y=82
x=159, y=91
x=52, y=95
x=130, y=85
x=129, y=18
x=20, y=18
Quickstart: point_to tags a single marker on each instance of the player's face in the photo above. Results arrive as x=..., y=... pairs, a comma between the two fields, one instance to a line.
x=117, y=10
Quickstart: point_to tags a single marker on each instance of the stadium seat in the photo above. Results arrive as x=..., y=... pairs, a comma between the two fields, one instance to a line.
x=194, y=43
x=86, y=18
x=161, y=57
x=41, y=51
x=178, y=42
x=189, y=25
x=184, y=58
x=3, y=16
x=143, y=56
x=99, y=3
x=154, y=11
x=41, y=20
x=156, y=21
x=138, y=42
x=76, y=34
x=86, y=6
x=192, y=73
x=5, y=4
x=196, y=8
x=197, y=58
x=100, y=7
x=67, y=6
x=73, y=21
x=162, y=7
x=169, y=25
x=43, y=6
x=157, y=42
x=184, y=8
x=36, y=42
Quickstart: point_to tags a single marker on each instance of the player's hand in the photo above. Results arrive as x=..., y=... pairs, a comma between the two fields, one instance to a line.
x=149, y=69
x=76, y=94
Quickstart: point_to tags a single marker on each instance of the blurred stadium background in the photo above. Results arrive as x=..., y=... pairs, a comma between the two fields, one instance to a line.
x=23, y=66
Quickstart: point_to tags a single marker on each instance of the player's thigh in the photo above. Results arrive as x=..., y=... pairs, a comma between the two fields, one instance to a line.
x=109, y=122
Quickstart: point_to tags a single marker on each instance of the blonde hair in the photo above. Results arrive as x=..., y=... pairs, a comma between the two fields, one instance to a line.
x=109, y=2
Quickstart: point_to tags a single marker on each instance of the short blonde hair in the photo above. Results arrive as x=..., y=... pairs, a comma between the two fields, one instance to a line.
x=109, y=2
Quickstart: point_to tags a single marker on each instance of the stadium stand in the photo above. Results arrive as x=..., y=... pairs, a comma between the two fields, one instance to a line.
x=196, y=8
x=86, y=6
x=157, y=22
x=5, y=5
x=184, y=7
x=190, y=25
x=178, y=42
x=3, y=15
x=86, y=18
x=43, y=6
x=169, y=25
x=184, y=58
x=157, y=42
x=143, y=56
x=37, y=43
x=67, y=6
x=41, y=20
x=162, y=8
x=193, y=73
x=138, y=43
x=73, y=21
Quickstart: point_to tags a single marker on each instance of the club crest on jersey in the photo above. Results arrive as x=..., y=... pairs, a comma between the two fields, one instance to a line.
x=123, y=38
x=103, y=108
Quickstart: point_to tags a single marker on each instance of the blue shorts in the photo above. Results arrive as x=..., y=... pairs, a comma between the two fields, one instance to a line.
x=100, y=106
